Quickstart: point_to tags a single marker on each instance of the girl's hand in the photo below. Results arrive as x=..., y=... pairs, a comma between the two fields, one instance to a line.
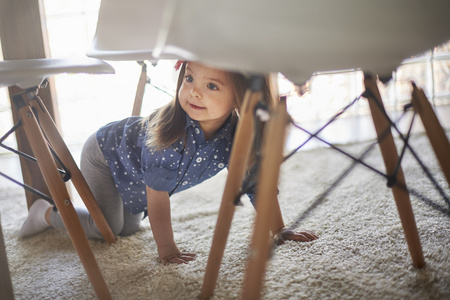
x=289, y=235
x=179, y=258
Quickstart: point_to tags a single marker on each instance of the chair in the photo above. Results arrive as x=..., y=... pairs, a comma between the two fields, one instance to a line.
x=299, y=39
x=44, y=139
x=127, y=31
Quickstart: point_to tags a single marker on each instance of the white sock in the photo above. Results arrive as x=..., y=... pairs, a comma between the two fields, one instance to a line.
x=35, y=221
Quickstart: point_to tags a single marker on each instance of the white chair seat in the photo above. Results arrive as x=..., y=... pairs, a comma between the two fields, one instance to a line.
x=127, y=30
x=27, y=73
x=122, y=55
x=301, y=37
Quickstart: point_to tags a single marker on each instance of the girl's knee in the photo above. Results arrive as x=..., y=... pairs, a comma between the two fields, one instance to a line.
x=129, y=230
x=92, y=231
x=131, y=223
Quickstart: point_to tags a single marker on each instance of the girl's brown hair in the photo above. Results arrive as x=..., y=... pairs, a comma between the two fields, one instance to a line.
x=167, y=124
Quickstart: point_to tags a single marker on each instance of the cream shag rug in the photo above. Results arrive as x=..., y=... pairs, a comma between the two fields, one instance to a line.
x=361, y=253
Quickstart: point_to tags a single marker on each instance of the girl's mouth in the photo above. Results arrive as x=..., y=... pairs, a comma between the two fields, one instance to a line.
x=195, y=107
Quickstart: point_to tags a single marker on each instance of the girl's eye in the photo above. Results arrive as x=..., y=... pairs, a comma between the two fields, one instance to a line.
x=189, y=78
x=212, y=86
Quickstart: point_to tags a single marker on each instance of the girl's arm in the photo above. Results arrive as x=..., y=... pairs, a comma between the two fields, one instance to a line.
x=283, y=234
x=158, y=206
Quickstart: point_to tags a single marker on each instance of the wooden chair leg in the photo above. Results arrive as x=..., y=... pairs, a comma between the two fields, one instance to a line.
x=390, y=156
x=434, y=130
x=236, y=169
x=137, y=106
x=62, y=201
x=6, y=289
x=60, y=147
x=266, y=196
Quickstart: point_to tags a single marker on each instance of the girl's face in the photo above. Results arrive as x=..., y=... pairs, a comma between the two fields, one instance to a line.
x=206, y=95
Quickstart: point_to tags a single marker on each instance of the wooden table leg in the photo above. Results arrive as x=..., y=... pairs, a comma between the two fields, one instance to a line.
x=78, y=180
x=434, y=130
x=24, y=35
x=390, y=156
x=266, y=201
x=61, y=198
x=236, y=169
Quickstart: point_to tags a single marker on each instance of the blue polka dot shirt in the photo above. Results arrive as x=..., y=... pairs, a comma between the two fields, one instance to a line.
x=174, y=169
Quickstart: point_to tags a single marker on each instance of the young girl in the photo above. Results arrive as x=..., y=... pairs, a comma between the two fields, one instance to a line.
x=134, y=165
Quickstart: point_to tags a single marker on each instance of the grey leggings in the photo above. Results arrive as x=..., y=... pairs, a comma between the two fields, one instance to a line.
x=99, y=178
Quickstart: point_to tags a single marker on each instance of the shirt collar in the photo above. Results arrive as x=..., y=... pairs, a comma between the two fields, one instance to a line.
x=190, y=122
x=226, y=131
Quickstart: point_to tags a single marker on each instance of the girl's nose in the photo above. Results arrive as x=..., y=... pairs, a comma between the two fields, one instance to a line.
x=195, y=92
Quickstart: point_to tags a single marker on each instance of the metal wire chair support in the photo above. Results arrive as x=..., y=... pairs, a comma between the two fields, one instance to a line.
x=63, y=171
x=391, y=179
x=359, y=160
x=29, y=188
x=332, y=119
x=66, y=175
x=412, y=191
x=338, y=180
